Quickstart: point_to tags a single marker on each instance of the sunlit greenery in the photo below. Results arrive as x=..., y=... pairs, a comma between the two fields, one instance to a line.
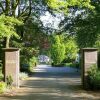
x=57, y=50
x=7, y=27
x=65, y=5
x=80, y=30
x=71, y=48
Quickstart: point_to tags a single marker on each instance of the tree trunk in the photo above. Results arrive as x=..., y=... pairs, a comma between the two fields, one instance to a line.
x=7, y=42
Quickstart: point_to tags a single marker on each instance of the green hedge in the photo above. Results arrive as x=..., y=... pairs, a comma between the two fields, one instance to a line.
x=94, y=77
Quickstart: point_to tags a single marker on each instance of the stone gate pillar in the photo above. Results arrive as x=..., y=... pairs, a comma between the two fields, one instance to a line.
x=88, y=58
x=11, y=65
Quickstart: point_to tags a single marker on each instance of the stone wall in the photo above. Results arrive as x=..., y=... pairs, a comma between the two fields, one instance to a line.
x=88, y=58
x=11, y=65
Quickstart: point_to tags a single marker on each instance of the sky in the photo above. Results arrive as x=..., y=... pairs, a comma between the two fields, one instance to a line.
x=51, y=21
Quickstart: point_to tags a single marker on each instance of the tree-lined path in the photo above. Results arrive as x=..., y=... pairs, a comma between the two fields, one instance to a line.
x=52, y=83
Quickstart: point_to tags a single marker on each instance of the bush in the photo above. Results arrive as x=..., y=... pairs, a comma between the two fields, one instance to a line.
x=71, y=49
x=9, y=81
x=32, y=63
x=26, y=56
x=29, y=51
x=24, y=63
x=57, y=51
x=24, y=67
x=1, y=76
x=24, y=59
x=75, y=65
x=68, y=60
x=2, y=87
x=23, y=76
x=94, y=77
x=58, y=65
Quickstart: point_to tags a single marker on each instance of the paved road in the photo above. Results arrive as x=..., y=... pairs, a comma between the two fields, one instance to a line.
x=49, y=83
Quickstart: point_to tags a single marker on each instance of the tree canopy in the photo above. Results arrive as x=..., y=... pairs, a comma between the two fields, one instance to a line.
x=65, y=5
x=7, y=27
x=81, y=20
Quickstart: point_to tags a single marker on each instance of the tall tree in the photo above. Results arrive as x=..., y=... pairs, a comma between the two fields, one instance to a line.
x=88, y=27
x=57, y=50
x=16, y=8
x=65, y=5
x=83, y=22
x=7, y=27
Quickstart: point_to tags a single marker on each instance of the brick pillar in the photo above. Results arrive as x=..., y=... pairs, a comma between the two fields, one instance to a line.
x=88, y=58
x=11, y=65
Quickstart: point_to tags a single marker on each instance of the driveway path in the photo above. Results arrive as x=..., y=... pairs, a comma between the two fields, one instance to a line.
x=52, y=83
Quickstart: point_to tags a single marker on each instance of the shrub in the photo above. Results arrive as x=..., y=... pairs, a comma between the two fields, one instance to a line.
x=71, y=49
x=26, y=56
x=24, y=59
x=2, y=87
x=24, y=63
x=57, y=51
x=24, y=67
x=32, y=63
x=58, y=65
x=23, y=76
x=94, y=77
x=57, y=54
x=75, y=65
x=1, y=76
x=9, y=80
x=29, y=51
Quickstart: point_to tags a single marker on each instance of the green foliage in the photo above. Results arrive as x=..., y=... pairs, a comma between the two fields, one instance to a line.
x=2, y=87
x=71, y=48
x=1, y=76
x=94, y=77
x=17, y=43
x=9, y=80
x=57, y=50
x=24, y=59
x=34, y=33
x=32, y=63
x=7, y=26
x=27, y=53
x=75, y=65
x=64, y=5
x=92, y=71
x=23, y=76
x=97, y=43
x=88, y=27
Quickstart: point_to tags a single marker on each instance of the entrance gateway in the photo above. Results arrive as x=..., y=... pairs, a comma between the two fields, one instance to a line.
x=11, y=64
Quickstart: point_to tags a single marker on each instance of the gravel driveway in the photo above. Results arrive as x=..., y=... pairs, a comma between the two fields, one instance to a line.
x=52, y=83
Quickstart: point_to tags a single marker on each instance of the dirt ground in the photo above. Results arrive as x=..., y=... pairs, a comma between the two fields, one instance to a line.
x=50, y=83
